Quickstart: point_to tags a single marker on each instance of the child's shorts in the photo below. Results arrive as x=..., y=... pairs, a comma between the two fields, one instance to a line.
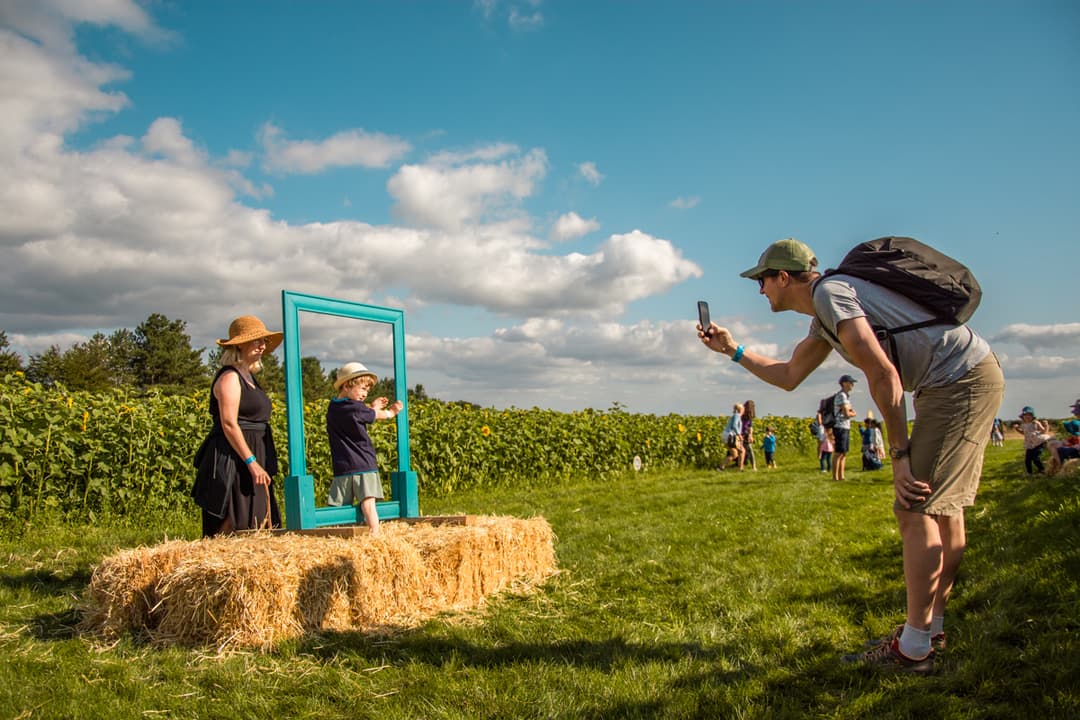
x=347, y=489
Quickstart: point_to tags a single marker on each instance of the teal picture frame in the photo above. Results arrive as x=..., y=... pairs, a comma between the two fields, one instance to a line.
x=301, y=511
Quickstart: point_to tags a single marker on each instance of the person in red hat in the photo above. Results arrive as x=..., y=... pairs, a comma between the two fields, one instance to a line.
x=237, y=461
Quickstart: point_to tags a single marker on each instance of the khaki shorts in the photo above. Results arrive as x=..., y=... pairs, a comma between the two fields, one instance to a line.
x=346, y=489
x=950, y=434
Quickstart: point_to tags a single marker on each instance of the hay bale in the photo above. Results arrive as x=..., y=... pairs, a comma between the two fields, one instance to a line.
x=257, y=589
x=122, y=594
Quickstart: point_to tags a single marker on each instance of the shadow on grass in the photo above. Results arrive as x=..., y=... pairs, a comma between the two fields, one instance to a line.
x=48, y=585
x=419, y=647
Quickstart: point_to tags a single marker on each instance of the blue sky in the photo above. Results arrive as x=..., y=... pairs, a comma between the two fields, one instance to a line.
x=545, y=187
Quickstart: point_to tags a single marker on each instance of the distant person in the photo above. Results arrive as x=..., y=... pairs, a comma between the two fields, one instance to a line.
x=1035, y=433
x=825, y=449
x=997, y=433
x=748, y=416
x=873, y=447
x=356, y=469
x=1068, y=447
x=237, y=460
x=733, y=438
x=768, y=446
x=956, y=383
x=842, y=430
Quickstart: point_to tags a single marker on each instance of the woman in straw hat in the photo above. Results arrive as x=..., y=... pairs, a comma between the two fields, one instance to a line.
x=237, y=461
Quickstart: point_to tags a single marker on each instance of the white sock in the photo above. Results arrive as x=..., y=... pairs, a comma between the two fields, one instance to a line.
x=937, y=625
x=915, y=644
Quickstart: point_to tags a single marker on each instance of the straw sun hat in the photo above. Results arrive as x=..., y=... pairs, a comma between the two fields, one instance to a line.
x=352, y=370
x=247, y=328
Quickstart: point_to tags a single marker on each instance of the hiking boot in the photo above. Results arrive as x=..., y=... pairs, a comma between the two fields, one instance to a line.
x=937, y=641
x=887, y=656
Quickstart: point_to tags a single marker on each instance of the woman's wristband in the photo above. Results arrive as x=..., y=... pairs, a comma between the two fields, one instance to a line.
x=738, y=354
x=250, y=459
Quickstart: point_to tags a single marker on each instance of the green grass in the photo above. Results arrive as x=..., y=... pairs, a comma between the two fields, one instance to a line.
x=681, y=595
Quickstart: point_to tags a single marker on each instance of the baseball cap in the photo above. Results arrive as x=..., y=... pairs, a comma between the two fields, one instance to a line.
x=787, y=254
x=846, y=378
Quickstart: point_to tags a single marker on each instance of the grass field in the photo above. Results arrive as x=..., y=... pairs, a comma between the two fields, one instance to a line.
x=681, y=595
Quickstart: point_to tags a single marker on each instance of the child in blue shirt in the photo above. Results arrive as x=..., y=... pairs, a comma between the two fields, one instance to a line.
x=768, y=446
x=356, y=471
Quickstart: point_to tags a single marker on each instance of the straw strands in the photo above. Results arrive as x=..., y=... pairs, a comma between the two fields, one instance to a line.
x=256, y=589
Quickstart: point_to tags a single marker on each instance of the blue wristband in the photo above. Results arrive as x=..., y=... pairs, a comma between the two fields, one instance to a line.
x=738, y=354
x=249, y=460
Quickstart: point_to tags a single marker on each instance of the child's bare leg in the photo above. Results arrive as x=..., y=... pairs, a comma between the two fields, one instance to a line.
x=371, y=515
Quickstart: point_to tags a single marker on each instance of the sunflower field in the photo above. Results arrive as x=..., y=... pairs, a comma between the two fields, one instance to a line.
x=80, y=456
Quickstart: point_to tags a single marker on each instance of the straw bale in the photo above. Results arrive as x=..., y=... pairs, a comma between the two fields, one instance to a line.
x=122, y=594
x=256, y=589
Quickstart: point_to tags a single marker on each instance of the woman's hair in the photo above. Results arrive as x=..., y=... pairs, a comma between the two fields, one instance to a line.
x=738, y=408
x=748, y=410
x=230, y=357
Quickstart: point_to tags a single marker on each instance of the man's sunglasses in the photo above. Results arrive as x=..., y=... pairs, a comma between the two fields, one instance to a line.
x=766, y=274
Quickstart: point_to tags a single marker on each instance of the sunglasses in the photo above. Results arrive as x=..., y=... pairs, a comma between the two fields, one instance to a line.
x=766, y=274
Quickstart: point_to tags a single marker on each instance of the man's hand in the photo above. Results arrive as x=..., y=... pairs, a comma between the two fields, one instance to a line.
x=717, y=339
x=905, y=486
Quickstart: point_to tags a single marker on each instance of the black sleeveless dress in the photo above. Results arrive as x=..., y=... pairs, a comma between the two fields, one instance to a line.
x=224, y=487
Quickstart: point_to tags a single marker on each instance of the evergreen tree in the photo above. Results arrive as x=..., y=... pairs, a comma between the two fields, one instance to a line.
x=313, y=380
x=85, y=366
x=164, y=357
x=47, y=367
x=9, y=360
x=121, y=358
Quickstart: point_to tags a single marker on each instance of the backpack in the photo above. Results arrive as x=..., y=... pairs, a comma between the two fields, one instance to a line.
x=937, y=282
x=827, y=410
x=942, y=285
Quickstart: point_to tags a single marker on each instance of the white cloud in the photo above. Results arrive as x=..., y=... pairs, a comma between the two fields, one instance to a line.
x=588, y=171
x=348, y=148
x=100, y=238
x=525, y=21
x=452, y=191
x=571, y=225
x=1037, y=337
x=520, y=14
x=51, y=21
x=685, y=203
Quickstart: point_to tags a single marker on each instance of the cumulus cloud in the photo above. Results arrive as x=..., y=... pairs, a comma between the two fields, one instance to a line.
x=101, y=237
x=571, y=225
x=1038, y=337
x=685, y=203
x=349, y=148
x=455, y=190
x=520, y=14
x=588, y=171
x=525, y=20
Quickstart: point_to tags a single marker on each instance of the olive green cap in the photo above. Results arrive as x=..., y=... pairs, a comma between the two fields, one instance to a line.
x=787, y=254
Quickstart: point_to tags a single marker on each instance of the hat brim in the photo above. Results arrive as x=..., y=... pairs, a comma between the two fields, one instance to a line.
x=758, y=270
x=273, y=340
x=755, y=272
x=341, y=381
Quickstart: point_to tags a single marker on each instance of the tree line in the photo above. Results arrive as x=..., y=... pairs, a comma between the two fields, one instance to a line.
x=158, y=356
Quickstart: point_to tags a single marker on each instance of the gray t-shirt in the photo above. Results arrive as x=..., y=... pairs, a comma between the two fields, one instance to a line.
x=928, y=357
x=840, y=400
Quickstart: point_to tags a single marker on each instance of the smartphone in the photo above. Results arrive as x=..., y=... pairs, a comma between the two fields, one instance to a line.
x=703, y=315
